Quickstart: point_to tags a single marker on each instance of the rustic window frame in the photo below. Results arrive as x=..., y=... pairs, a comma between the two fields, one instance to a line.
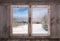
x=43, y=6
x=29, y=18
x=17, y=6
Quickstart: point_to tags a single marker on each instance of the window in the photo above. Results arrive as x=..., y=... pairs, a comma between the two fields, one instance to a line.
x=19, y=20
x=26, y=20
x=40, y=20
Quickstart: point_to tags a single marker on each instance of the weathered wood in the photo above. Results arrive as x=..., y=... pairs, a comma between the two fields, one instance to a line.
x=3, y=22
x=55, y=27
x=58, y=23
x=53, y=21
x=27, y=1
x=31, y=39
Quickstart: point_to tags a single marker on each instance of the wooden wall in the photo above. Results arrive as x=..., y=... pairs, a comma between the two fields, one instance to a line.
x=20, y=39
x=55, y=25
x=3, y=22
x=28, y=0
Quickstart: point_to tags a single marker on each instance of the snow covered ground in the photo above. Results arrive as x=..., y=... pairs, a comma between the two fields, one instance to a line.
x=20, y=29
x=36, y=29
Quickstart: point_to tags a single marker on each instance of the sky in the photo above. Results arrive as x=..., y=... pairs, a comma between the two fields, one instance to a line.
x=22, y=13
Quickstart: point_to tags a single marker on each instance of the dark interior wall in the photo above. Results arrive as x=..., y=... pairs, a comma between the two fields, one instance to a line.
x=58, y=19
x=1, y=16
x=4, y=21
x=28, y=1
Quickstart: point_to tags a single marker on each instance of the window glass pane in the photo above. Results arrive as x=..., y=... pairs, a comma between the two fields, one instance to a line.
x=20, y=21
x=39, y=20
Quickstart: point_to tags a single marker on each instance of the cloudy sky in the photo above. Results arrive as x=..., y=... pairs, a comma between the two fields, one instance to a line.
x=22, y=13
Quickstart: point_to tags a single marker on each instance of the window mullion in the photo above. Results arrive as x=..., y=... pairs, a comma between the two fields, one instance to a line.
x=29, y=28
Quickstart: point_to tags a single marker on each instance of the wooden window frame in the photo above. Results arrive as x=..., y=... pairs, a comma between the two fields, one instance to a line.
x=42, y=6
x=17, y=6
x=29, y=20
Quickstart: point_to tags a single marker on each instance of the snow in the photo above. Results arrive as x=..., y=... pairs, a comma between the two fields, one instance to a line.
x=36, y=29
x=20, y=29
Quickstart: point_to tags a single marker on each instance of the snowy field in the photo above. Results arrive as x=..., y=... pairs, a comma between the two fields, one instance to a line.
x=36, y=29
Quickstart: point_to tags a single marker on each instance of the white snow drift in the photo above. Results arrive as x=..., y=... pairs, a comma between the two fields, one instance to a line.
x=36, y=29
